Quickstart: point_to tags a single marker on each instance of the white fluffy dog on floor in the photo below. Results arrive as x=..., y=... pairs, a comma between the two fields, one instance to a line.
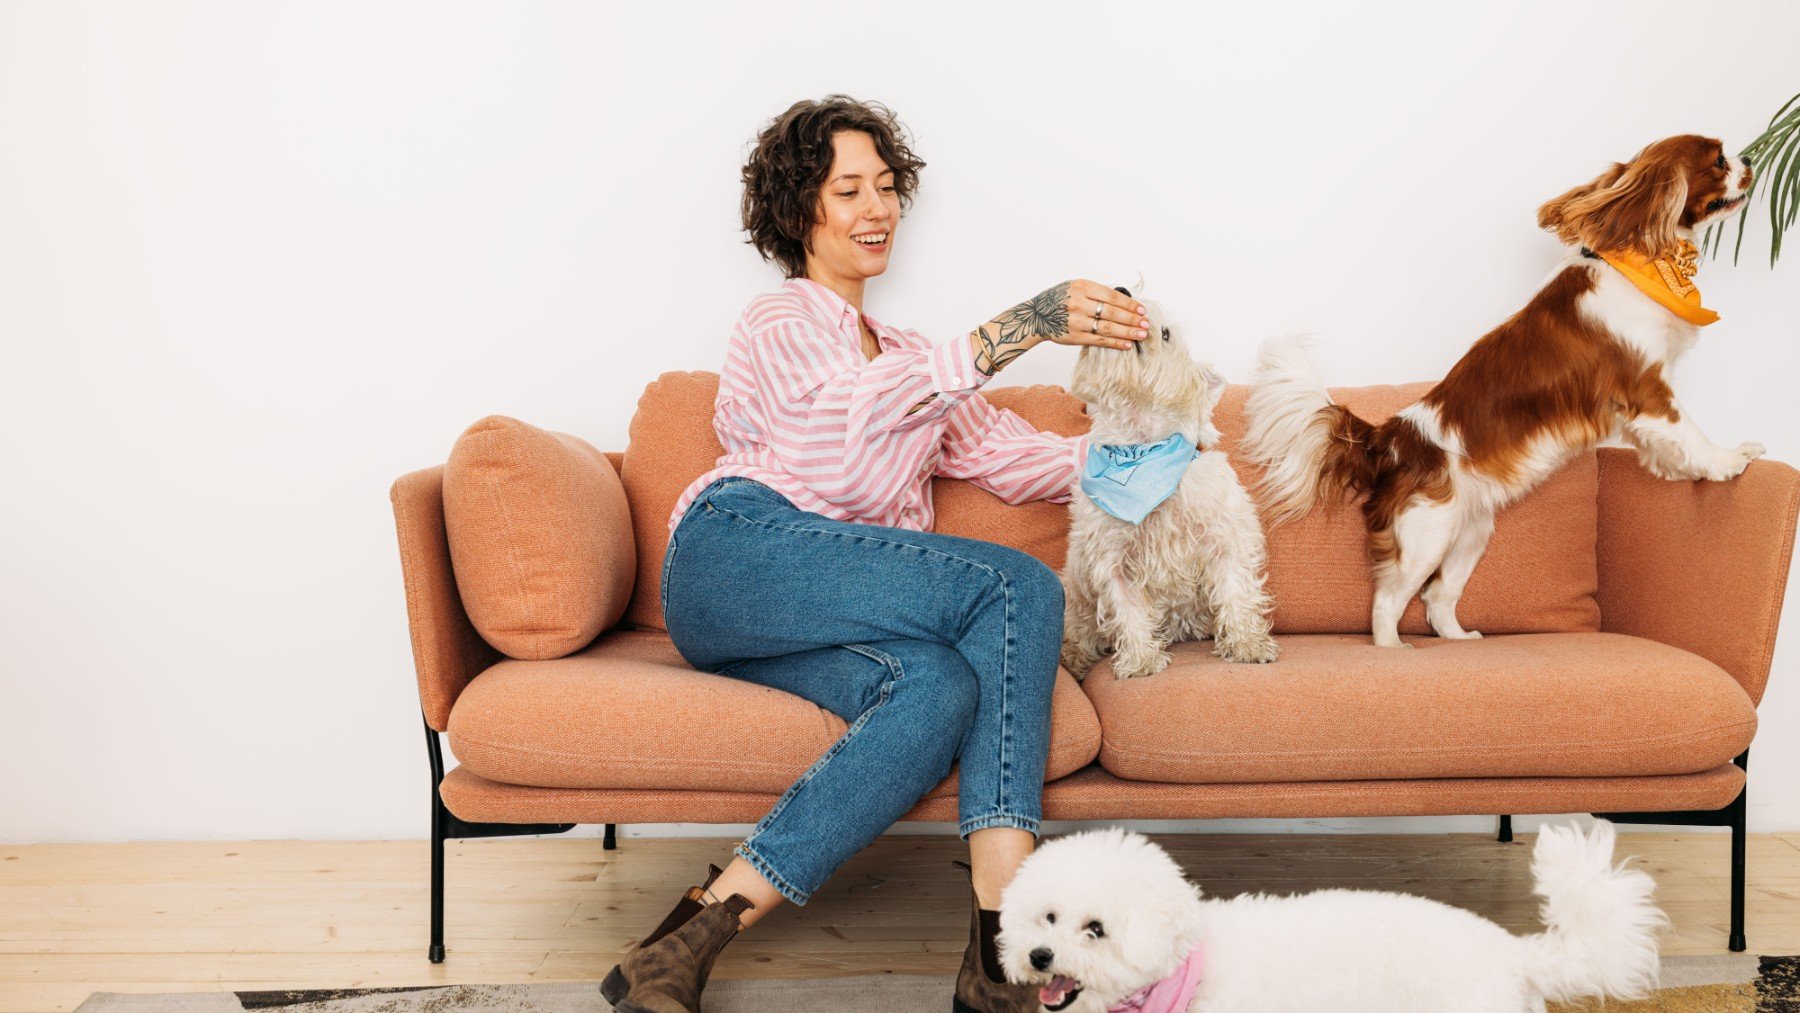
x=1105, y=920
x=1193, y=566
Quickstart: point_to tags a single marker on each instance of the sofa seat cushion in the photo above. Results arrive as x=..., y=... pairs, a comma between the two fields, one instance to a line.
x=1337, y=708
x=628, y=712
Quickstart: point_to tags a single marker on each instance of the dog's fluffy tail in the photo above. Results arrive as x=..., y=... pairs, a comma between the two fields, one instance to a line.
x=1602, y=923
x=1309, y=447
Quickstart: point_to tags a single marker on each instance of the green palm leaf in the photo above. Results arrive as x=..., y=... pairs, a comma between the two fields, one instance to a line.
x=1776, y=158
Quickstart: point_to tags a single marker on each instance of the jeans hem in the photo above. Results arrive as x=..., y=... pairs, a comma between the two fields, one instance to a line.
x=992, y=820
x=767, y=871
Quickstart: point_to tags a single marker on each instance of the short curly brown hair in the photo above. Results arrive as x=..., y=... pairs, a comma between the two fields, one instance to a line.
x=785, y=173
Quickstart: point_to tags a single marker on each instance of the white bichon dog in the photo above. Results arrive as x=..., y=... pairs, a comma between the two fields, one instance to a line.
x=1164, y=544
x=1105, y=920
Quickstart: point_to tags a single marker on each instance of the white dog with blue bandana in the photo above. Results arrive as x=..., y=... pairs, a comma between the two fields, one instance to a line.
x=1164, y=543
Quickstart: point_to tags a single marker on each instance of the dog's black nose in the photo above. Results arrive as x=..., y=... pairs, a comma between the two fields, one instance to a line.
x=1745, y=159
x=1041, y=957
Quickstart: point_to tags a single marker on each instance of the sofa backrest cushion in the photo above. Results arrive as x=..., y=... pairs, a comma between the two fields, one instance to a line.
x=671, y=443
x=540, y=538
x=1538, y=575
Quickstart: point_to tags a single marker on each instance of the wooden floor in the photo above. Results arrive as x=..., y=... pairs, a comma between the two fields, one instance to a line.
x=162, y=917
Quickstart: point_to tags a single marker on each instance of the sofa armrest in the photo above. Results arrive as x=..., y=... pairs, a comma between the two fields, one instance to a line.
x=1702, y=566
x=447, y=652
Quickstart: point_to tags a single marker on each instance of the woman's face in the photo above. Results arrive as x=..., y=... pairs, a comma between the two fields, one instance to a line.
x=858, y=210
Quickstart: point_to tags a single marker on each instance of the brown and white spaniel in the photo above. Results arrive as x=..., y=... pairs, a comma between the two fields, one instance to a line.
x=1586, y=359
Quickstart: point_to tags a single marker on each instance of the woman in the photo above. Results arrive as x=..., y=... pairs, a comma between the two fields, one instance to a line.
x=805, y=561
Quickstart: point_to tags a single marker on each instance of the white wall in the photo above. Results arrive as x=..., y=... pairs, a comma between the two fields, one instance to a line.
x=257, y=260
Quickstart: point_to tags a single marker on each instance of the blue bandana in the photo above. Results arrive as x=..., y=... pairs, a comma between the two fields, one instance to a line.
x=1130, y=480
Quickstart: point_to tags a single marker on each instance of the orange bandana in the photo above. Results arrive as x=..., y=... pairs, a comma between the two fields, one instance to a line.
x=1668, y=280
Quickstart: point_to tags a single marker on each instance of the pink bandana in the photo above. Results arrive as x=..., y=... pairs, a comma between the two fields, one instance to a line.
x=1170, y=995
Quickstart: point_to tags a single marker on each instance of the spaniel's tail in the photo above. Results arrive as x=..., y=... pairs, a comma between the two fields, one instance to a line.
x=1308, y=446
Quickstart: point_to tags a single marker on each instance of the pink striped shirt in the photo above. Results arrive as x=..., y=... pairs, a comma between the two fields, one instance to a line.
x=802, y=410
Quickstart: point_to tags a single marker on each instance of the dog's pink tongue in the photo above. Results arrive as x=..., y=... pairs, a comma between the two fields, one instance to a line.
x=1054, y=992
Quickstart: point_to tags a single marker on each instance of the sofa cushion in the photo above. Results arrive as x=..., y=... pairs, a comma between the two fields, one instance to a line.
x=1539, y=574
x=1337, y=708
x=628, y=712
x=540, y=537
x=671, y=443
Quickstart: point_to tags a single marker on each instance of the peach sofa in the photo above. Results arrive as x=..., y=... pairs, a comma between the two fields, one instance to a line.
x=1629, y=627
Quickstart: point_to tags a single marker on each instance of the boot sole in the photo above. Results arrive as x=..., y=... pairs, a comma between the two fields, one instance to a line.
x=958, y=1006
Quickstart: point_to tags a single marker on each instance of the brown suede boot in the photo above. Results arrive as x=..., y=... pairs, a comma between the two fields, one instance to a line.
x=976, y=992
x=667, y=971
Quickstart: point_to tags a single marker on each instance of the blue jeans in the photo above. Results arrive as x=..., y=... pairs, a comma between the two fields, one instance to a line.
x=934, y=649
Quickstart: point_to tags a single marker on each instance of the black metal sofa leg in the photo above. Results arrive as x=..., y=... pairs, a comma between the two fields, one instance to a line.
x=435, y=952
x=1733, y=816
x=1506, y=830
x=445, y=825
x=1740, y=839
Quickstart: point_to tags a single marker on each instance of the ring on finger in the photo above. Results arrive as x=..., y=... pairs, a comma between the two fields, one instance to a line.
x=1098, y=307
x=1095, y=329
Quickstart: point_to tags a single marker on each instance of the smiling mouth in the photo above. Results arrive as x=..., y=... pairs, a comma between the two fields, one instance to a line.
x=1059, y=993
x=871, y=240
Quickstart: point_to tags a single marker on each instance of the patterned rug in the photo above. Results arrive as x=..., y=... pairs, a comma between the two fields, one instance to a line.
x=1735, y=984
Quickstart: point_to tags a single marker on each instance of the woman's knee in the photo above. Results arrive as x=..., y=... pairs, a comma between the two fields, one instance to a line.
x=937, y=684
x=1035, y=589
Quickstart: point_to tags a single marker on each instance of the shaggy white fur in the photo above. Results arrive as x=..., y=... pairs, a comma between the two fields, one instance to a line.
x=1094, y=917
x=1194, y=568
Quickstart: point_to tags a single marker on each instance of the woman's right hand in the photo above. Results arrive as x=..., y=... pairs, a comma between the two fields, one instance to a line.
x=1077, y=312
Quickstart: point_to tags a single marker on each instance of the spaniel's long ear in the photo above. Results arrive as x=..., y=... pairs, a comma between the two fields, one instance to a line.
x=1553, y=215
x=1632, y=206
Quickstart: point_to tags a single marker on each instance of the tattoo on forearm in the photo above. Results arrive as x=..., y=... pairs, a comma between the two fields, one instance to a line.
x=1000, y=341
x=989, y=357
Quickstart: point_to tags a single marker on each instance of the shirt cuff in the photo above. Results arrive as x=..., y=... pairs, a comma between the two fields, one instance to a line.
x=1080, y=450
x=952, y=366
